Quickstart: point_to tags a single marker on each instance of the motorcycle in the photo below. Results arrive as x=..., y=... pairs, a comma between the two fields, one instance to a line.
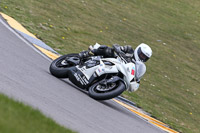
x=103, y=78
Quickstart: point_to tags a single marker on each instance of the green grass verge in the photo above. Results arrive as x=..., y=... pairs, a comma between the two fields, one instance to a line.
x=18, y=118
x=170, y=89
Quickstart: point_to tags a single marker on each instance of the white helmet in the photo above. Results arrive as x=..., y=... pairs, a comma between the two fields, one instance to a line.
x=142, y=53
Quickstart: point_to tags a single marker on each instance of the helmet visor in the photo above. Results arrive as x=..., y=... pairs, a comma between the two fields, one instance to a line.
x=142, y=56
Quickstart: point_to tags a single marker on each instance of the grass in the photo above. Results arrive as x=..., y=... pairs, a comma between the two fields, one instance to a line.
x=18, y=118
x=170, y=89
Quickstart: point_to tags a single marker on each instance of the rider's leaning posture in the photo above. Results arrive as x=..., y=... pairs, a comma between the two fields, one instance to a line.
x=141, y=54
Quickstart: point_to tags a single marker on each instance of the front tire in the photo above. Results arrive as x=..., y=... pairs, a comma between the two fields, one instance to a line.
x=105, y=95
x=59, y=69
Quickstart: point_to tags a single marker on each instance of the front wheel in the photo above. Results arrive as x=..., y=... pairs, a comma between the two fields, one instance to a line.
x=100, y=91
x=60, y=66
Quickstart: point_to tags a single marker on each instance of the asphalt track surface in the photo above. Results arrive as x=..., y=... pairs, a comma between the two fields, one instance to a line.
x=24, y=76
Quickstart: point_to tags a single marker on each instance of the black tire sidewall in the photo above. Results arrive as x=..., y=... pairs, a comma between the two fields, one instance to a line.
x=59, y=72
x=108, y=95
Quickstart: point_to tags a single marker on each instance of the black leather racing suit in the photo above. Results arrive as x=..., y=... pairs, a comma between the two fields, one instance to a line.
x=106, y=51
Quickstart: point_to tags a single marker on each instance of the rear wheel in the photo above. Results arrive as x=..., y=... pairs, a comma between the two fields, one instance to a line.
x=104, y=91
x=60, y=66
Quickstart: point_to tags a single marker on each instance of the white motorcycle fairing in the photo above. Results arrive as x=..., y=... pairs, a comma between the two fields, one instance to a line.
x=118, y=65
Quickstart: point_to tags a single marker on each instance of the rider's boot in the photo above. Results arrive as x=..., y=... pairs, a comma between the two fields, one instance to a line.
x=85, y=54
x=97, y=49
x=90, y=52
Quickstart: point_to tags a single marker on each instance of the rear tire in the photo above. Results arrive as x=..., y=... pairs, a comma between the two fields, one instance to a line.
x=94, y=93
x=57, y=69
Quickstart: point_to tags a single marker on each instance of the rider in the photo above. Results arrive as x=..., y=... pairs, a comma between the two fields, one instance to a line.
x=141, y=54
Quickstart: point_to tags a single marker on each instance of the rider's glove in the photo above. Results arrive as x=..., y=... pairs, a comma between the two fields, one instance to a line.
x=118, y=49
x=127, y=50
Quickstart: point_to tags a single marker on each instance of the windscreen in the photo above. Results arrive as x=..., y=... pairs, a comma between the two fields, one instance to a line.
x=140, y=69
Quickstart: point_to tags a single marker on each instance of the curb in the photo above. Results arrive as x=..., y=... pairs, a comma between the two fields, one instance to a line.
x=41, y=46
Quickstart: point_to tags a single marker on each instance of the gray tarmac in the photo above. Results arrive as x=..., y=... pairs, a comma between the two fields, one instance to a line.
x=24, y=76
